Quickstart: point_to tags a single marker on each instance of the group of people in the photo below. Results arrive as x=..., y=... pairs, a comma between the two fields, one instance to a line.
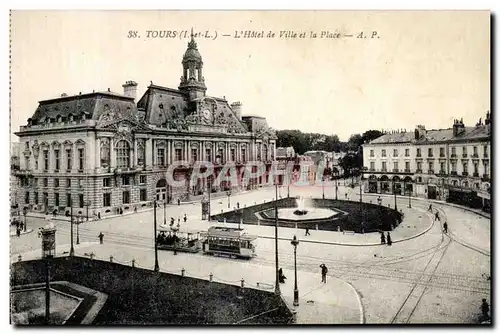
x=19, y=226
x=383, y=238
x=172, y=220
x=438, y=218
x=167, y=239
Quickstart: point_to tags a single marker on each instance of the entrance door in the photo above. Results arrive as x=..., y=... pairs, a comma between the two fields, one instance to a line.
x=161, y=190
x=431, y=192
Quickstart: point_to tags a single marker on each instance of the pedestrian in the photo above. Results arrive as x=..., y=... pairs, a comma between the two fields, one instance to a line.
x=430, y=207
x=237, y=205
x=445, y=227
x=281, y=277
x=485, y=308
x=382, y=238
x=178, y=221
x=324, y=271
x=99, y=216
x=18, y=232
x=437, y=216
x=135, y=208
x=101, y=237
x=307, y=231
x=172, y=221
x=21, y=226
x=178, y=201
x=389, y=240
x=185, y=218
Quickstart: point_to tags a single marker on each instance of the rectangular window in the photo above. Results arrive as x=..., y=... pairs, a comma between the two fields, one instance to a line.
x=36, y=197
x=27, y=197
x=68, y=183
x=407, y=166
x=395, y=152
x=372, y=153
x=106, y=182
x=69, y=159
x=233, y=154
x=431, y=166
x=56, y=183
x=476, y=168
x=45, y=182
x=56, y=199
x=466, y=167
x=142, y=179
x=125, y=180
x=384, y=166
x=453, y=150
x=57, y=159
x=243, y=155
x=396, y=166
x=430, y=153
x=81, y=159
x=442, y=167
x=45, y=160
x=68, y=200
x=464, y=150
x=407, y=152
x=161, y=157
x=419, y=166
x=475, y=150
x=208, y=154
x=419, y=152
x=143, y=195
x=178, y=154
x=80, y=200
x=441, y=151
x=486, y=168
x=194, y=154
x=221, y=155
x=126, y=197
x=106, y=199
x=81, y=183
x=485, y=149
x=36, y=163
x=372, y=165
x=383, y=153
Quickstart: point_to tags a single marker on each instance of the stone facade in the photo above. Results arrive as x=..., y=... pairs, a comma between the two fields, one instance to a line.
x=436, y=164
x=106, y=153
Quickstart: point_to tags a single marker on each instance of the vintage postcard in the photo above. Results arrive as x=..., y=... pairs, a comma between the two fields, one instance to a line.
x=250, y=167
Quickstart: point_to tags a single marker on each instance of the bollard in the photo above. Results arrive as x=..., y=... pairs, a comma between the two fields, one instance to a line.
x=242, y=283
x=133, y=263
x=183, y=271
x=258, y=285
x=19, y=258
x=111, y=258
x=316, y=227
x=211, y=277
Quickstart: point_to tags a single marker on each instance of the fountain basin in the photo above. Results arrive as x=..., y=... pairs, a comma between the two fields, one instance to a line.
x=297, y=215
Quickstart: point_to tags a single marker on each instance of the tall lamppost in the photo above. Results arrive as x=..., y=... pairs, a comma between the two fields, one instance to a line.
x=79, y=219
x=228, y=199
x=295, y=243
x=336, y=174
x=323, y=185
x=71, y=250
x=277, y=288
x=87, y=204
x=165, y=210
x=394, y=191
x=409, y=196
x=25, y=212
x=157, y=267
x=209, y=204
x=48, y=251
x=363, y=169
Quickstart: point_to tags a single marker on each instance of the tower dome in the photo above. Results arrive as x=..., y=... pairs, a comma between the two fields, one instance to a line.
x=192, y=80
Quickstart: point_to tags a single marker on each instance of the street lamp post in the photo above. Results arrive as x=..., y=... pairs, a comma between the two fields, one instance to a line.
x=88, y=203
x=394, y=191
x=409, y=198
x=25, y=212
x=228, y=199
x=157, y=267
x=323, y=185
x=71, y=250
x=277, y=288
x=78, y=221
x=165, y=211
x=295, y=243
x=209, y=191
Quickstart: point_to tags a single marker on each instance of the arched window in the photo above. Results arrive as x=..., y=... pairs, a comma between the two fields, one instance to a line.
x=105, y=153
x=122, y=154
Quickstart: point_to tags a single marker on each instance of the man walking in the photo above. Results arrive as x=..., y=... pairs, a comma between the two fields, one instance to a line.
x=437, y=216
x=307, y=231
x=430, y=207
x=185, y=218
x=324, y=271
x=382, y=238
x=389, y=240
x=445, y=227
x=101, y=237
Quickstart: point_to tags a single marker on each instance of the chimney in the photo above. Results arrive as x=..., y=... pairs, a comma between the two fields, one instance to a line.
x=458, y=127
x=236, y=107
x=419, y=132
x=130, y=89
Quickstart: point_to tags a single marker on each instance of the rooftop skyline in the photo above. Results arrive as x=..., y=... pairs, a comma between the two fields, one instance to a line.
x=426, y=68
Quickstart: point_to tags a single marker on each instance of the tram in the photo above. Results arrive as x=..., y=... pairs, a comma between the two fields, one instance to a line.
x=229, y=241
x=175, y=238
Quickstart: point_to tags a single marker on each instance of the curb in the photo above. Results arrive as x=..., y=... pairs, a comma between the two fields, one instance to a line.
x=22, y=232
x=434, y=201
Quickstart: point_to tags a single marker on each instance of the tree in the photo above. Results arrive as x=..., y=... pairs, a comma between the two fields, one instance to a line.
x=370, y=135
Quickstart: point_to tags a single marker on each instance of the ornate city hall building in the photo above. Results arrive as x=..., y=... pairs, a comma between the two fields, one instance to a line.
x=445, y=164
x=102, y=152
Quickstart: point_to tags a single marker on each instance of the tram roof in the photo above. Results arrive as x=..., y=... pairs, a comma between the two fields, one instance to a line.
x=233, y=232
x=167, y=228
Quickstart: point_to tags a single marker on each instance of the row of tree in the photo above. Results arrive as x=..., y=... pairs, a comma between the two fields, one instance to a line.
x=351, y=163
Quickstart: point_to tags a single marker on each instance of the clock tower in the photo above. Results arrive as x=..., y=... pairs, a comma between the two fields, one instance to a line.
x=192, y=80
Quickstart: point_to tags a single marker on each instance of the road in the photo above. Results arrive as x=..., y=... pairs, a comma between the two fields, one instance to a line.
x=433, y=278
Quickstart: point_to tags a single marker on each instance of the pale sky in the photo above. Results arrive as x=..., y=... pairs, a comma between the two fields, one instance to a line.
x=426, y=67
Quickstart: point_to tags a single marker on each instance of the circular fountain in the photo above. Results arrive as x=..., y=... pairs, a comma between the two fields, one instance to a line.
x=305, y=212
